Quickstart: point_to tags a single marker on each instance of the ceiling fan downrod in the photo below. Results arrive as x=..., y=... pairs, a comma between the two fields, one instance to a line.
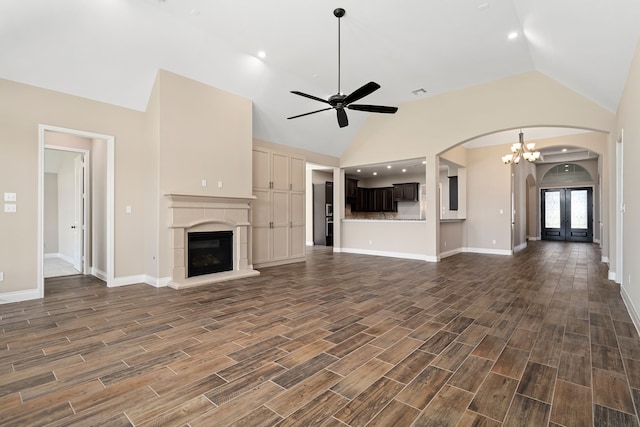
x=339, y=13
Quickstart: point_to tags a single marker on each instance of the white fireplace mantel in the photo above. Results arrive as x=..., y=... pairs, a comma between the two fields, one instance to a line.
x=192, y=212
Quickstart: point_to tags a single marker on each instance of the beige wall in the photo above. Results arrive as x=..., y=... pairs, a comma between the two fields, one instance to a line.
x=190, y=132
x=452, y=237
x=433, y=125
x=22, y=109
x=203, y=133
x=628, y=119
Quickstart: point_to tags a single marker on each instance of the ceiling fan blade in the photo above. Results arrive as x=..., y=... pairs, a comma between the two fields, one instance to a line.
x=342, y=117
x=373, y=108
x=361, y=92
x=306, y=95
x=312, y=112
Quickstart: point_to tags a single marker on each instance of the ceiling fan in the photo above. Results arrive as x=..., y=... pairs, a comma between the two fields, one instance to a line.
x=341, y=101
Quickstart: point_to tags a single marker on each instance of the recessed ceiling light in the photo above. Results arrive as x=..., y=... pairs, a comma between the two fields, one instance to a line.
x=513, y=35
x=388, y=166
x=564, y=150
x=375, y=173
x=358, y=170
x=418, y=91
x=424, y=162
x=404, y=170
x=262, y=54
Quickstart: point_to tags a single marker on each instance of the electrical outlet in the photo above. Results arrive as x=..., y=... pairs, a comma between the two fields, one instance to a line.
x=494, y=242
x=10, y=207
x=371, y=242
x=219, y=184
x=204, y=182
x=1, y=276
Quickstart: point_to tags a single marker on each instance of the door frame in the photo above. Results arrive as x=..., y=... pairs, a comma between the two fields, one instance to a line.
x=110, y=141
x=620, y=210
x=566, y=187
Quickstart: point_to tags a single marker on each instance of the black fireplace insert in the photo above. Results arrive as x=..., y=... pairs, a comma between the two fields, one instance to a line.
x=209, y=252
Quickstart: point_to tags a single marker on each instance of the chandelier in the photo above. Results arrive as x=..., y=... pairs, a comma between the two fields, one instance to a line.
x=520, y=150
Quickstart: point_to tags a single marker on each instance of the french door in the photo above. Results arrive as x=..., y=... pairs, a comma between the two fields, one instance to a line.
x=567, y=214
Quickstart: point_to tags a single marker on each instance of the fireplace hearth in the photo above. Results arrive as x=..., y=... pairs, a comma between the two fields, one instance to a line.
x=209, y=252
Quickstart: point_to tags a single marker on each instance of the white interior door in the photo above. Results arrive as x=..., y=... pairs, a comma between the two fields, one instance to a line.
x=78, y=222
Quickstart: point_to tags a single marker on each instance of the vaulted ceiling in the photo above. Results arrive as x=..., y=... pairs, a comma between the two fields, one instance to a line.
x=110, y=50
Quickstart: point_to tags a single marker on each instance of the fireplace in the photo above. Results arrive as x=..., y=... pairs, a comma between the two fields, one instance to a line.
x=225, y=222
x=209, y=252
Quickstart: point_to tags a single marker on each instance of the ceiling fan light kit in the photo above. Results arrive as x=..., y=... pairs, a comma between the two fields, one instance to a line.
x=340, y=101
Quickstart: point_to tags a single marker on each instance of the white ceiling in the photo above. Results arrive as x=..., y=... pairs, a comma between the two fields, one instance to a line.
x=110, y=50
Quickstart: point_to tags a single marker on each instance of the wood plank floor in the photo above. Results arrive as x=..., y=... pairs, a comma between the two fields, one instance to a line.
x=540, y=338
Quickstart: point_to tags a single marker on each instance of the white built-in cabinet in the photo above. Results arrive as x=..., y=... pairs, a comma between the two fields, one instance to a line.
x=278, y=211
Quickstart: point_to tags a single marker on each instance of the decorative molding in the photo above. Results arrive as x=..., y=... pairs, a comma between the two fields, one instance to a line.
x=633, y=312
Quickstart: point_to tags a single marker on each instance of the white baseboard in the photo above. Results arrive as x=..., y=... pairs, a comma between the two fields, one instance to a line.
x=157, y=282
x=309, y=243
x=99, y=274
x=51, y=255
x=631, y=308
x=612, y=275
x=451, y=253
x=128, y=280
x=489, y=251
x=17, y=296
x=604, y=259
x=404, y=255
x=532, y=239
x=520, y=247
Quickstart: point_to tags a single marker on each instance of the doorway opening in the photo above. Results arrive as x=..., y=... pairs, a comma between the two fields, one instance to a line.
x=567, y=214
x=66, y=211
x=81, y=231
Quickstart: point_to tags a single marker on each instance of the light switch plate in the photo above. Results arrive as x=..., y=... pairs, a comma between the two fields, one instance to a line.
x=9, y=207
x=9, y=197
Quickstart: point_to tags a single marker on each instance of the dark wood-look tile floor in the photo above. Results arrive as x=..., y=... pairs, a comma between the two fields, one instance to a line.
x=540, y=338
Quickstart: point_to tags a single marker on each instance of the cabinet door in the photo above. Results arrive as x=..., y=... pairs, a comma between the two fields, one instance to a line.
x=261, y=169
x=351, y=188
x=297, y=235
x=280, y=209
x=261, y=230
x=297, y=174
x=261, y=242
x=280, y=171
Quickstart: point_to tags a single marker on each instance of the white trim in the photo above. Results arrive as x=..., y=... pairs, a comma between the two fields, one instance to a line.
x=604, y=259
x=110, y=140
x=157, y=282
x=310, y=244
x=489, y=251
x=633, y=312
x=99, y=274
x=611, y=275
x=128, y=280
x=451, y=253
x=17, y=296
x=403, y=255
x=532, y=238
x=520, y=247
x=52, y=255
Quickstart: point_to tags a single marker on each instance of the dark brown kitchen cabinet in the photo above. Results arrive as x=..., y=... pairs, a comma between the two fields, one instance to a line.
x=406, y=192
x=374, y=200
x=351, y=188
